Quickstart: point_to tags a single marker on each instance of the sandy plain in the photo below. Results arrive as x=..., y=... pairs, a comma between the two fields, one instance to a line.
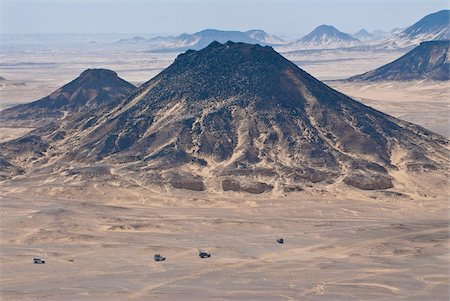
x=99, y=239
x=425, y=103
x=99, y=243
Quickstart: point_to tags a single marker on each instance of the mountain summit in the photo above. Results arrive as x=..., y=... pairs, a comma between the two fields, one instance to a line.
x=92, y=89
x=239, y=117
x=325, y=37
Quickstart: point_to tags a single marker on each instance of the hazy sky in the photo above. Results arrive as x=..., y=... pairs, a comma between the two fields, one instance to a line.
x=176, y=16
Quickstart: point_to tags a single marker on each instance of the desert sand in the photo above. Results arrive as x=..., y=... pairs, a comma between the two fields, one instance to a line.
x=8, y=133
x=421, y=102
x=338, y=246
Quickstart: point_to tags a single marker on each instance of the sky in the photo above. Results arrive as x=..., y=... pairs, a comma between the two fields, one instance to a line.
x=291, y=17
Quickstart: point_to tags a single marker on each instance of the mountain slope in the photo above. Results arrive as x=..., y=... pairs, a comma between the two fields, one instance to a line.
x=431, y=27
x=325, y=37
x=237, y=117
x=429, y=60
x=92, y=89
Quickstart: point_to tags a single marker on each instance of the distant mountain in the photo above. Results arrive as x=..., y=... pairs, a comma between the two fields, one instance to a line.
x=375, y=36
x=234, y=117
x=264, y=37
x=430, y=28
x=325, y=37
x=200, y=40
x=133, y=40
x=429, y=60
x=203, y=38
x=364, y=35
x=92, y=89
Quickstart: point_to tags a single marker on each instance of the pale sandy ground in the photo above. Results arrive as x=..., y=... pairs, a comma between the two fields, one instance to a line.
x=7, y=134
x=422, y=102
x=99, y=245
x=340, y=64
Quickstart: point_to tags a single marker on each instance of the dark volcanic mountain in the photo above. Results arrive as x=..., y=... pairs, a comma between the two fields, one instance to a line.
x=431, y=27
x=92, y=89
x=324, y=37
x=427, y=61
x=236, y=117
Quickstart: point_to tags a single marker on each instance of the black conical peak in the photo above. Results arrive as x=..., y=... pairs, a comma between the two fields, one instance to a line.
x=92, y=78
x=230, y=70
x=93, y=88
x=98, y=73
x=232, y=48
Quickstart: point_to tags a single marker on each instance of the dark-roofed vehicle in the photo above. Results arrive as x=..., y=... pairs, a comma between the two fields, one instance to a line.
x=37, y=260
x=158, y=257
x=203, y=254
x=280, y=241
